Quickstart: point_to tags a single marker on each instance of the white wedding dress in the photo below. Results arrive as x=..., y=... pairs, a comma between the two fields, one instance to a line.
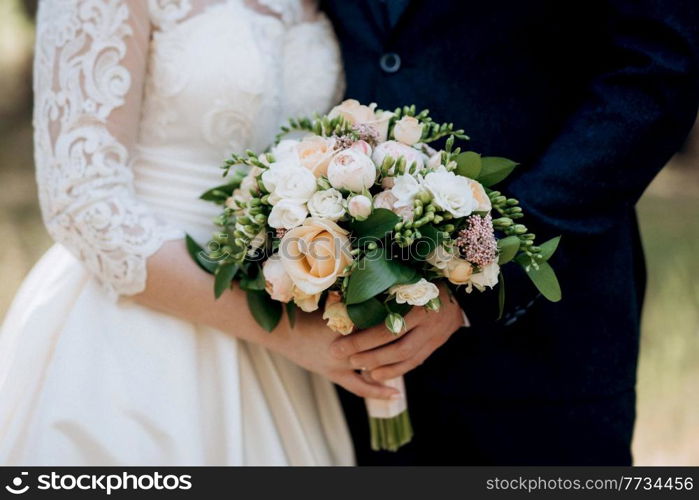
x=137, y=104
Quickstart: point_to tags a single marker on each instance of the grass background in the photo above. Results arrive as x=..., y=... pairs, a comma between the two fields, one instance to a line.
x=667, y=430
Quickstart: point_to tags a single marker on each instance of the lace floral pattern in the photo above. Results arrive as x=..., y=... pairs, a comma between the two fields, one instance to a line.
x=85, y=185
x=183, y=82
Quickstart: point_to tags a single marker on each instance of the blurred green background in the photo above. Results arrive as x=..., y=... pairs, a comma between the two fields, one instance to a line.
x=667, y=431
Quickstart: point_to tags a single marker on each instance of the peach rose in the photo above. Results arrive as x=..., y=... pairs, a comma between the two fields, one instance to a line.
x=408, y=130
x=481, y=197
x=307, y=302
x=458, y=271
x=315, y=254
x=315, y=153
x=359, y=114
x=337, y=316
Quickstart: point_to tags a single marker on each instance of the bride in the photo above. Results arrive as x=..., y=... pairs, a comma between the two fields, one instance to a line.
x=115, y=351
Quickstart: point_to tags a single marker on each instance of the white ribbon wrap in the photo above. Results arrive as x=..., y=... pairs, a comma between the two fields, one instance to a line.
x=388, y=408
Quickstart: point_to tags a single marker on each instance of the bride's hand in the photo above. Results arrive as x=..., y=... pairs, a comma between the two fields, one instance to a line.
x=308, y=345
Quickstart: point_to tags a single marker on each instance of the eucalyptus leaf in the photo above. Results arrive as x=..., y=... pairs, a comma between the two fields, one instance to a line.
x=267, y=312
x=507, y=249
x=367, y=314
x=544, y=278
x=376, y=273
x=549, y=247
x=223, y=277
x=495, y=169
x=221, y=193
x=469, y=164
x=380, y=223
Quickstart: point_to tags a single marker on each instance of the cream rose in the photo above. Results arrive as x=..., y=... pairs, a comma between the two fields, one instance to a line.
x=315, y=254
x=351, y=170
x=327, y=204
x=278, y=283
x=450, y=192
x=408, y=130
x=289, y=181
x=307, y=302
x=396, y=150
x=359, y=206
x=415, y=294
x=486, y=277
x=458, y=271
x=315, y=152
x=336, y=315
x=287, y=214
x=483, y=203
x=286, y=150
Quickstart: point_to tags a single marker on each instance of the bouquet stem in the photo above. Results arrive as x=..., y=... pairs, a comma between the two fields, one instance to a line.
x=389, y=421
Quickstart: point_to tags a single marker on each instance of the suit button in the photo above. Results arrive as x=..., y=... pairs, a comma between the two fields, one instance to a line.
x=390, y=62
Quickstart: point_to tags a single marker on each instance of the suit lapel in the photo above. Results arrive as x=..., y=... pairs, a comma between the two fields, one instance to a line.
x=396, y=8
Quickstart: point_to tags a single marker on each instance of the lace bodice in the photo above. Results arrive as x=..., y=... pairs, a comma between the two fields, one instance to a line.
x=137, y=102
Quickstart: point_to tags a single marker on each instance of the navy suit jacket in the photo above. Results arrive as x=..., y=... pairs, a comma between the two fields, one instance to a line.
x=591, y=98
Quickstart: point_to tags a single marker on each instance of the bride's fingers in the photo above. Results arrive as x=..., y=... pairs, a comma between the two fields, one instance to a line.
x=388, y=372
x=357, y=384
x=401, y=350
x=361, y=341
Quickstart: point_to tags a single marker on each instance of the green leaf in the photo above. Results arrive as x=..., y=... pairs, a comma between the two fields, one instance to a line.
x=501, y=295
x=545, y=281
x=469, y=164
x=495, y=169
x=199, y=256
x=253, y=283
x=291, y=313
x=220, y=194
x=395, y=307
x=375, y=274
x=548, y=248
x=431, y=237
x=375, y=227
x=367, y=314
x=224, y=276
x=507, y=249
x=267, y=312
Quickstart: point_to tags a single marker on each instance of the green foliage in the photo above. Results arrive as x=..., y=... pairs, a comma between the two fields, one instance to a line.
x=375, y=273
x=495, y=169
x=366, y=314
x=223, y=277
x=380, y=223
x=469, y=164
x=267, y=312
x=507, y=249
x=197, y=254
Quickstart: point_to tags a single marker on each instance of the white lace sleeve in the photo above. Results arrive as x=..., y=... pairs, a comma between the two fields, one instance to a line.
x=88, y=79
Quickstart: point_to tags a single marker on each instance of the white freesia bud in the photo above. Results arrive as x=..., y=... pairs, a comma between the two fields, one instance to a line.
x=278, y=283
x=336, y=315
x=408, y=130
x=351, y=170
x=326, y=204
x=405, y=189
x=486, y=277
x=395, y=323
x=359, y=207
x=415, y=294
x=450, y=192
x=396, y=150
x=287, y=214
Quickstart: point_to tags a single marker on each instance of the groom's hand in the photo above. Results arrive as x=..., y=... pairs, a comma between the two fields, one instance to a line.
x=386, y=356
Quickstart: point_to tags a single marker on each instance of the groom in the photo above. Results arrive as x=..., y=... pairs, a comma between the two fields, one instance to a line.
x=592, y=99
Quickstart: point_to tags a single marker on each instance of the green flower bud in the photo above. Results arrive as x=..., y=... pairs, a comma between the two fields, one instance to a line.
x=520, y=229
x=434, y=304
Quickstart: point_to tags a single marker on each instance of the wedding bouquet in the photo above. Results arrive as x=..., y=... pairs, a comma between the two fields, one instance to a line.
x=361, y=216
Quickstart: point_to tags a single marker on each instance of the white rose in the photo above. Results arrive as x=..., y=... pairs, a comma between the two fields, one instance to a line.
x=415, y=294
x=385, y=199
x=287, y=181
x=395, y=150
x=351, y=170
x=486, y=277
x=287, y=214
x=408, y=130
x=326, y=205
x=362, y=147
x=451, y=192
x=286, y=150
x=405, y=189
x=440, y=257
x=278, y=283
x=359, y=206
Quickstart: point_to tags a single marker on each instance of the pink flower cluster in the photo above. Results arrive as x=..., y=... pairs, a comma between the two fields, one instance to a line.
x=477, y=242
